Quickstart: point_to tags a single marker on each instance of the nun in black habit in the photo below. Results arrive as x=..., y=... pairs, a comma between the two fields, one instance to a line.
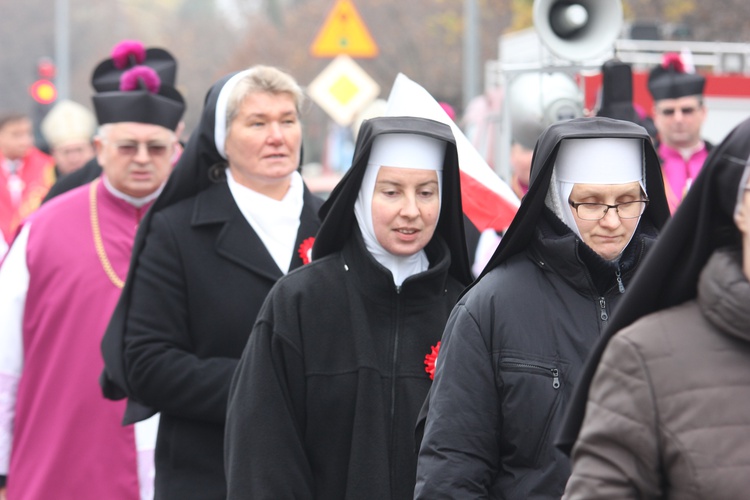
x=516, y=341
x=324, y=401
x=665, y=391
x=233, y=218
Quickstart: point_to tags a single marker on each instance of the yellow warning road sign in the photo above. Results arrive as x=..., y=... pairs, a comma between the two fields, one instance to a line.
x=344, y=32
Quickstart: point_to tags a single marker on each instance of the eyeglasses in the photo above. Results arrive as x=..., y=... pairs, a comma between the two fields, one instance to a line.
x=597, y=211
x=686, y=111
x=153, y=149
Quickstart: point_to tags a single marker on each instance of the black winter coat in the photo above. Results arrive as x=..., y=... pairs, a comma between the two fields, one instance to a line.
x=517, y=340
x=334, y=376
x=324, y=402
x=525, y=330
x=201, y=279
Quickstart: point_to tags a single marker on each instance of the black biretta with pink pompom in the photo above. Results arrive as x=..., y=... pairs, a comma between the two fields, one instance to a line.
x=670, y=80
x=136, y=85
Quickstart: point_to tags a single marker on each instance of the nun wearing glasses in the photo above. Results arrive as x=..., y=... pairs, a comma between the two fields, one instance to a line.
x=234, y=218
x=517, y=339
x=324, y=402
x=662, y=409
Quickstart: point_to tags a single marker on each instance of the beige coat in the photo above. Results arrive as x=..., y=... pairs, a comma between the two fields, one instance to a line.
x=669, y=408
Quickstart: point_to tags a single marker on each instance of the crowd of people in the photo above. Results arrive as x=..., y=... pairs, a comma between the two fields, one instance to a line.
x=186, y=320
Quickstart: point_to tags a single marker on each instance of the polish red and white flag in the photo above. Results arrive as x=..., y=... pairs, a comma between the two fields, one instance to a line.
x=488, y=201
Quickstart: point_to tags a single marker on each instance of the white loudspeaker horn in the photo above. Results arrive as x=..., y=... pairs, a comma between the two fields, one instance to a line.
x=536, y=100
x=578, y=30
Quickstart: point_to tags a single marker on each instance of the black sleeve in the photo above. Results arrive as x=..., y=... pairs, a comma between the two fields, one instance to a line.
x=162, y=367
x=459, y=454
x=472, y=235
x=265, y=416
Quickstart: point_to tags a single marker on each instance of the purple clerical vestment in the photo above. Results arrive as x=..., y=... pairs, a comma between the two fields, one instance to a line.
x=67, y=440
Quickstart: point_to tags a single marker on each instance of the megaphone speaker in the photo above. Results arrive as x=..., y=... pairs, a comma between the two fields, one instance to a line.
x=578, y=30
x=537, y=100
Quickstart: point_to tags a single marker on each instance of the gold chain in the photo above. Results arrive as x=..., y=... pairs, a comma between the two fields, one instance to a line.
x=98, y=244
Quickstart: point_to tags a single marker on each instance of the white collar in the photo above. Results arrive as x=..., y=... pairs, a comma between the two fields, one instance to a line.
x=276, y=222
x=11, y=166
x=688, y=153
x=132, y=200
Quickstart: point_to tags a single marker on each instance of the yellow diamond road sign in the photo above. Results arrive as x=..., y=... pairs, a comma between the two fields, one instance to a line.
x=343, y=89
x=344, y=32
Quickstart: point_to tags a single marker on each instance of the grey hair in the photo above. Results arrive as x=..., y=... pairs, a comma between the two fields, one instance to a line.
x=263, y=79
x=102, y=131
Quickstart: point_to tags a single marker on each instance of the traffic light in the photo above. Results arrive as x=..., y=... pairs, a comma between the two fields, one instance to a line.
x=44, y=93
x=43, y=90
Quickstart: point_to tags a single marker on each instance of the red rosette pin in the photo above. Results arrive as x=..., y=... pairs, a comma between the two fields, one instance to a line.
x=305, y=250
x=430, y=359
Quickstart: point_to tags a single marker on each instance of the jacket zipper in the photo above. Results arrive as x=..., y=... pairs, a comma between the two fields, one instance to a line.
x=554, y=371
x=603, y=315
x=603, y=312
x=618, y=273
x=393, y=375
x=620, y=285
x=602, y=301
x=395, y=354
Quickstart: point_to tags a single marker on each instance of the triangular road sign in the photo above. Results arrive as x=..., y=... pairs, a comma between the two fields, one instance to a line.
x=344, y=32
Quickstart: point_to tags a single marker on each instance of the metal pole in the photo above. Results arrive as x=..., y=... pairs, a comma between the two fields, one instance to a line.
x=62, y=48
x=471, y=52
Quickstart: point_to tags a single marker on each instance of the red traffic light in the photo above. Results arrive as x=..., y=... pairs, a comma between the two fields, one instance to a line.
x=46, y=69
x=43, y=91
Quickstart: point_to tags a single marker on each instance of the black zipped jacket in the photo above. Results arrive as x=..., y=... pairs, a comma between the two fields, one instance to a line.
x=327, y=392
x=516, y=341
x=525, y=331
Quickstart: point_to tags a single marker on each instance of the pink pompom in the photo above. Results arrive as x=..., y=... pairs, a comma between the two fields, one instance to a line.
x=672, y=60
x=138, y=77
x=127, y=49
x=448, y=110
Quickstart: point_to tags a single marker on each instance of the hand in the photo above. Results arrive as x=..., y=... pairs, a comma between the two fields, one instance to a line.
x=2, y=494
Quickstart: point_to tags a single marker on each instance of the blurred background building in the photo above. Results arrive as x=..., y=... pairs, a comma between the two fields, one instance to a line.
x=424, y=39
